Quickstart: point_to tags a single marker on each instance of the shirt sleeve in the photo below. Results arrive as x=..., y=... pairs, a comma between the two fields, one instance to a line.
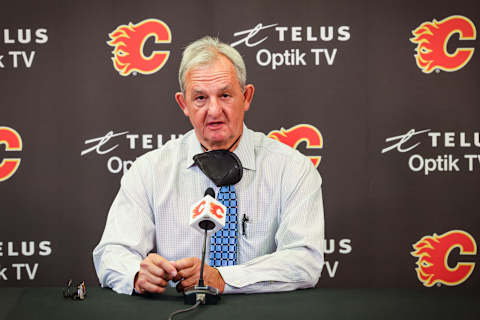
x=298, y=260
x=129, y=232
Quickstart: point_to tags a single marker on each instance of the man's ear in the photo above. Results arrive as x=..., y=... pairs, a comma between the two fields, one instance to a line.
x=248, y=96
x=180, y=98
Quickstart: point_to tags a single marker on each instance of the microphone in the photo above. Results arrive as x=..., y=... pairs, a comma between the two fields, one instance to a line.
x=210, y=192
x=206, y=216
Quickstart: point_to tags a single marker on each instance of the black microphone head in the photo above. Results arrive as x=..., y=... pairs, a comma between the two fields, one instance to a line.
x=206, y=225
x=210, y=192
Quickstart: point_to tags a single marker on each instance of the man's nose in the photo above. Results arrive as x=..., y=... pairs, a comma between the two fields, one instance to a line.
x=215, y=107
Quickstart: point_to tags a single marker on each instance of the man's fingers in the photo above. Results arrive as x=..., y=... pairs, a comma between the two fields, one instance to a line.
x=155, y=280
x=188, y=272
x=190, y=281
x=149, y=268
x=149, y=287
x=186, y=263
x=159, y=266
x=154, y=274
x=177, y=277
x=145, y=281
x=168, y=266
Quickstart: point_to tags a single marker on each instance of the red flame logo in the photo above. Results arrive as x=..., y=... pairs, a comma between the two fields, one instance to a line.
x=129, y=41
x=431, y=39
x=297, y=134
x=13, y=142
x=199, y=209
x=432, y=253
x=216, y=210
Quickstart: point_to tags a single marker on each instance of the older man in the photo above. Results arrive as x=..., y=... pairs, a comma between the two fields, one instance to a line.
x=148, y=243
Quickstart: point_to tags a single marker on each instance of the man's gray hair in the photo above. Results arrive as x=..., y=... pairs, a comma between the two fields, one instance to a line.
x=203, y=52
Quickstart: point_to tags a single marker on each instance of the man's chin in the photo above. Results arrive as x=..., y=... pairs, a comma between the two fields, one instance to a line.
x=219, y=144
x=217, y=141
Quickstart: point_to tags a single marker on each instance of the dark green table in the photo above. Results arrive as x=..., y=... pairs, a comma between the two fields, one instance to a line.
x=385, y=304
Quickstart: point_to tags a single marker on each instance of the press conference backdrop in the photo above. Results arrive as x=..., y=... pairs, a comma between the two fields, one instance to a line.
x=383, y=96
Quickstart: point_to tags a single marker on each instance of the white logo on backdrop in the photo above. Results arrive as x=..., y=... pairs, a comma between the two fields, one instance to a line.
x=111, y=141
x=14, y=39
x=342, y=246
x=403, y=138
x=443, y=162
x=22, y=271
x=250, y=33
x=101, y=141
x=316, y=56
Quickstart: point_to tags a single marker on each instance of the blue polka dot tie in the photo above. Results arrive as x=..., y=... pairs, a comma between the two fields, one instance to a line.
x=223, y=245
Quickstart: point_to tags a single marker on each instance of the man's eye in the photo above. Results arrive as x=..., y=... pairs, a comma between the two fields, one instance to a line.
x=200, y=98
x=225, y=95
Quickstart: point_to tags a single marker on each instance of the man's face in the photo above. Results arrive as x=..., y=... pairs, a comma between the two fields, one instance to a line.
x=215, y=103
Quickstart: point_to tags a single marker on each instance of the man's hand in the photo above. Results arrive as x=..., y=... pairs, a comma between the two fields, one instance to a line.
x=189, y=274
x=155, y=271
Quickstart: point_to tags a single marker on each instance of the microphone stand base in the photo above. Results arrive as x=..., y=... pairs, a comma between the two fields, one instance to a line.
x=206, y=294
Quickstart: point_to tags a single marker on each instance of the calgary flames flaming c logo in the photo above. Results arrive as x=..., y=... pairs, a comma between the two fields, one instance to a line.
x=432, y=38
x=432, y=253
x=129, y=41
x=13, y=142
x=199, y=209
x=215, y=209
x=295, y=135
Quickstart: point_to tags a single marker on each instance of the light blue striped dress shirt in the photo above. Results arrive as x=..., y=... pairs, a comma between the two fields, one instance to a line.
x=280, y=193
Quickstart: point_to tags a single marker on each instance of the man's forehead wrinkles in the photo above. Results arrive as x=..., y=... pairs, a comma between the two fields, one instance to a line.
x=214, y=76
x=202, y=84
x=217, y=86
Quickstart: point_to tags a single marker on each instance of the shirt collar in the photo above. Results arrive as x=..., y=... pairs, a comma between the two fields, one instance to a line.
x=245, y=149
x=193, y=147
